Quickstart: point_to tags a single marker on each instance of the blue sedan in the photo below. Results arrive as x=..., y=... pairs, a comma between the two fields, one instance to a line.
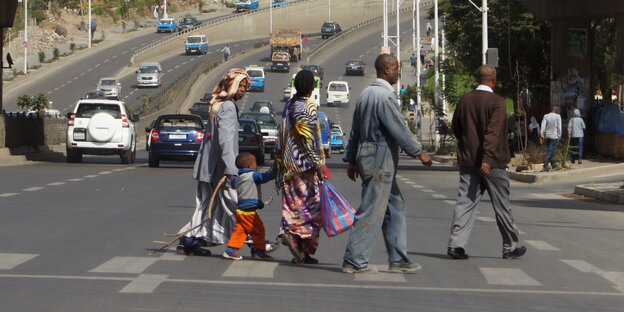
x=337, y=139
x=174, y=137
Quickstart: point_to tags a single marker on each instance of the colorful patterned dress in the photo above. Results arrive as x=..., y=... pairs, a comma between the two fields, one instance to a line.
x=299, y=152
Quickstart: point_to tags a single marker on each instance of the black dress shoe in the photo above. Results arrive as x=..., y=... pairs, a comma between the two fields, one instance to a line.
x=516, y=253
x=457, y=253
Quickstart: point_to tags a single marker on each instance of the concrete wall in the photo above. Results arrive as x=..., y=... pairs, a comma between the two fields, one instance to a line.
x=21, y=131
x=2, y=133
x=308, y=17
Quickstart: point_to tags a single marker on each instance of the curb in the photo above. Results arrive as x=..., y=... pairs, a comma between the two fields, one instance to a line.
x=565, y=175
x=615, y=196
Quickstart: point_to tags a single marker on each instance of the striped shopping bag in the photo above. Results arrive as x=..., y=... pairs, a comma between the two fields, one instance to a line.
x=338, y=215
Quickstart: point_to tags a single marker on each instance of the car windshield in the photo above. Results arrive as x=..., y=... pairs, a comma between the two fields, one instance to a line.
x=94, y=95
x=355, y=63
x=323, y=122
x=87, y=110
x=187, y=20
x=247, y=127
x=107, y=82
x=193, y=39
x=165, y=22
x=311, y=68
x=337, y=87
x=254, y=73
x=200, y=106
x=261, y=119
x=327, y=25
x=280, y=56
x=177, y=122
x=148, y=69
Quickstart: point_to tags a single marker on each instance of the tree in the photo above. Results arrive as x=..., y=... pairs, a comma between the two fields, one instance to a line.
x=604, y=34
x=38, y=103
x=522, y=42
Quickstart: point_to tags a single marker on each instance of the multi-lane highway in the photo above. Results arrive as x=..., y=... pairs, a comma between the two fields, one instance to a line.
x=76, y=237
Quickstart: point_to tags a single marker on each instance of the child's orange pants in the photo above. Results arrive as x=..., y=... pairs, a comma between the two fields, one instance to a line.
x=247, y=222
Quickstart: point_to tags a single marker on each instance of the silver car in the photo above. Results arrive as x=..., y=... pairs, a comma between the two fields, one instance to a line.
x=148, y=75
x=110, y=86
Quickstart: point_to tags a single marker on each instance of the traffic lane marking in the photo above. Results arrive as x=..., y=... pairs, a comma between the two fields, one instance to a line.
x=125, y=265
x=144, y=284
x=258, y=269
x=8, y=261
x=33, y=189
x=542, y=245
x=508, y=276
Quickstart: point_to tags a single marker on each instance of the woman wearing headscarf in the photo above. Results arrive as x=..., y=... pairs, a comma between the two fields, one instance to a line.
x=576, y=126
x=216, y=159
x=301, y=167
x=534, y=130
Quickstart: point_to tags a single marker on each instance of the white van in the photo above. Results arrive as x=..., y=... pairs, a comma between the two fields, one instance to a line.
x=338, y=93
x=148, y=75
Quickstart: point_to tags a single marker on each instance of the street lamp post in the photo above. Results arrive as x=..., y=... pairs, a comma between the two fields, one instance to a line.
x=89, y=44
x=416, y=48
x=437, y=72
x=329, y=10
x=270, y=19
x=484, y=32
x=25, y=36
x=165, y=15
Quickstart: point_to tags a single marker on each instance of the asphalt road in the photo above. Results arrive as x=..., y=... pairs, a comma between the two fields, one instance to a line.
x=76, y=237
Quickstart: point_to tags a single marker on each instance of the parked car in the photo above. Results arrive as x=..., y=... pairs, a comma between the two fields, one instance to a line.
x=196, y=43
x=148, y=75
x=329, y=29
x=268, y=126
x=337, y=139
x=354, y=67
x=325, y=125
x=188, y=22
x=94, y=95
x=110, y=86
x=175, y=137
x=207, y=97
x=317, y=70
x=101, y=127
x=279, y=3
x=167, y=25
x=337, y=93
x=250, y=139
x=263, y=106
x=257, y=77
x=200, y=109
x=247, y=5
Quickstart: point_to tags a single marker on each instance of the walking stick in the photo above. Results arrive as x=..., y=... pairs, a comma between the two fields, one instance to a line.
x=208, y=217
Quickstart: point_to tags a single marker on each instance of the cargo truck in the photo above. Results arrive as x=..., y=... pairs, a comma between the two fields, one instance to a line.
x=287, y=40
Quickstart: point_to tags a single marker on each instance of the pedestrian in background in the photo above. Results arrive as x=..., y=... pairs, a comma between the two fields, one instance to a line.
x=413, y=60
x=379, y=129
x=551, y=132
x=156, y=11
x=534, y=130
x=576, y=126
x=9, y=60
x=423, y=54
x=301, y=168
x=226, y=52
x=480, y=126
x=217, y=158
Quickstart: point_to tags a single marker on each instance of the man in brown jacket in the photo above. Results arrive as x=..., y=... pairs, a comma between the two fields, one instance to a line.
x=480, y=126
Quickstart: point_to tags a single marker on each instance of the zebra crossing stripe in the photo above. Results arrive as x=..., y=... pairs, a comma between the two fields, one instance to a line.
x=508, y=276
x=144, y=284
x=8, y=261
x=246, y=268
x=542, y=245
x=125, y=265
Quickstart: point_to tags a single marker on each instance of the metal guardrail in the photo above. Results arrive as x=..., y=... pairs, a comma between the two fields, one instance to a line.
x=206, y=25
x=358, y=26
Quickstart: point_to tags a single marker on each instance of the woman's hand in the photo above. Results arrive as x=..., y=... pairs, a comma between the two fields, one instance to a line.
x=320, y=171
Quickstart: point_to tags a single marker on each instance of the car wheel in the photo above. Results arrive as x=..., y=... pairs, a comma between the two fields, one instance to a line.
x=133, y=159
x=328, y=153
x=153, y=160
x=73, y=156
x=262, y=89
x=260, y=158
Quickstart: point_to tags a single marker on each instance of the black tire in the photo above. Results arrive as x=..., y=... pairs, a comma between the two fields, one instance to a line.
x=73, y=156
x=153, y=161
x=260, y=158
x=262, y=89
x=328, y=153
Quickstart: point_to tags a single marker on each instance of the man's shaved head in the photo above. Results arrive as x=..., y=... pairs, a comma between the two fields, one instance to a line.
x=486, y=74
x=387, y=68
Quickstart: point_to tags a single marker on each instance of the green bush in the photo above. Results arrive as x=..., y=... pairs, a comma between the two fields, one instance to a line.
x=56, y=53
x=41, y=56
x=72, y=46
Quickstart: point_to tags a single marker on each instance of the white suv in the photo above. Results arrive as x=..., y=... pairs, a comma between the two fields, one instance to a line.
x=101, y=127
x=338, y=93
x=110, y=86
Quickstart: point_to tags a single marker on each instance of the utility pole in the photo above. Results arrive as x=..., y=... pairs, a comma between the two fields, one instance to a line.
x=484, y=32
x=398, y=43
x=165, y=10
x=396, y=40
x=7, y=16
x=329, y=10
x=415, y=40
x=25, y=36
x=90, y=39
x=270, y=19
x=437, y=72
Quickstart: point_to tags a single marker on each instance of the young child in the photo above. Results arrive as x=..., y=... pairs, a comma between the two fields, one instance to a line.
x=248, y=222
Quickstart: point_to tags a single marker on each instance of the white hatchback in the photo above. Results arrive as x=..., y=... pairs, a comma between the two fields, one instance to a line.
x=338, y=93
x=101, y=127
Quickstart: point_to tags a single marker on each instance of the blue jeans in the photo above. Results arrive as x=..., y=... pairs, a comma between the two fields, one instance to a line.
x=578, y=149
x=552, y=148
x=382, y=209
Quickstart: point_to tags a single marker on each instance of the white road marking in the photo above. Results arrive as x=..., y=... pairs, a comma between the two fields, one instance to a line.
x=176, y=67
x=63, y=85
x=170, y=70
x=192, y=59
x=581, y=265
x=124, y=52
x=361, y=56
x=114, y=56
x=237, y=45
x=106, y=172
x=33, y=189
x=508, y=276
x=450, y=202
x=90, y=69
x=97, y=65
x=105, y=61
x=75, y=78
x=144, y=284
x=384, y=277
x=91, y=176
x=438, y=196
x=542, y=245
x=486, y=219
x=521, y=232
x=56, y=183
x=428, y=191
x=617, y=278
x=82, y=74
x=184, y=63
x=409, y=182
x=125, y=265
x=75, y=180
x=56, y=89
x=548, y=196
x=417, y=186
x=119, y=169
x=10, y=260
x=171, y=256
x=247, y=268
x=129, y=168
